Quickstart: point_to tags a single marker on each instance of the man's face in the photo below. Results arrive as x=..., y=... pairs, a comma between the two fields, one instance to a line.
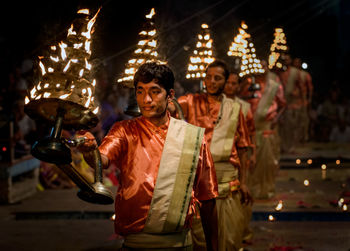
x=152, y=99
x=232, y=85
x=215, y=80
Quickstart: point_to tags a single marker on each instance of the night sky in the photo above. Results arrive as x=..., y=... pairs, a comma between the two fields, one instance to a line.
x=315, y=31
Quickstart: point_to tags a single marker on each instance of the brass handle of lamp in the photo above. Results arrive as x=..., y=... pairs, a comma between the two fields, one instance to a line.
x=178, y=109
x=93, y=193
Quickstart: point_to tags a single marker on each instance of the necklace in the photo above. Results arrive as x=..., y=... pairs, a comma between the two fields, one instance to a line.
x=221, y=100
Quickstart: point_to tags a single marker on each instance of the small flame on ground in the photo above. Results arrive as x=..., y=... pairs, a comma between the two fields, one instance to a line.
x=309, y=161
x=298, y=161
x=279, y=206
x=271, y=218
x=306, y=183
x=323, y=167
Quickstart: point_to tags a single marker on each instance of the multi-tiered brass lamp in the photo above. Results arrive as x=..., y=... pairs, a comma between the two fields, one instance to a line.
x=64, y=98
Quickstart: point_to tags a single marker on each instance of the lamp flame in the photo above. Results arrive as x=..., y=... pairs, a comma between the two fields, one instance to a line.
x=151, y=14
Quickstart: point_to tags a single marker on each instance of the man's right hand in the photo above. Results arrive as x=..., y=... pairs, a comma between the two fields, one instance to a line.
x=90, y=142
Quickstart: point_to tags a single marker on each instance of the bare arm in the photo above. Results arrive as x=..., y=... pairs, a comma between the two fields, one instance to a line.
x=209, y=220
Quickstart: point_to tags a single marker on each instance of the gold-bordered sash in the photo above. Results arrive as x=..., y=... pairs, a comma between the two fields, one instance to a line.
x=263, y=108
x=224, y=131
x=245, y=105
x=177, y=169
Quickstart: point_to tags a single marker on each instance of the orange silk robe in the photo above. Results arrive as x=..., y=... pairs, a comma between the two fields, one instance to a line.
x=278, y=101
x=136, y=146
x=202, y=111
x=249, y=118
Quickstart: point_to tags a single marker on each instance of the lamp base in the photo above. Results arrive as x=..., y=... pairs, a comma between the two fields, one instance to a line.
x=52, y=150
x=102, y=195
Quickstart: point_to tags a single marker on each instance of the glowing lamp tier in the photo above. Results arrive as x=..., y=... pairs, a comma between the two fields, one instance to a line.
x=76, y=116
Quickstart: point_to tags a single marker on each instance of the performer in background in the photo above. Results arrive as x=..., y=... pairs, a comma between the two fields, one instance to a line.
x=307, y=90
x=290, y=129
x=268, y=106
x=227, y=135
x=165, y=167
x=232, y=90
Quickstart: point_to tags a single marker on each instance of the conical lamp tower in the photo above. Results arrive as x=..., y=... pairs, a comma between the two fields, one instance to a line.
x=64, y=98
x=202, y=56
x=277, y=49
x=146, y=51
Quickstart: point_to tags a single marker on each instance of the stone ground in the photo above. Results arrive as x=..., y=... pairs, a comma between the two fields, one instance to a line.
x=310, y=219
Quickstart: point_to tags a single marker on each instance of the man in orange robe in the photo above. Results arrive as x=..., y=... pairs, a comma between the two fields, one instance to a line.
x=232, y=90
x=267, y=105
x=290, y=129
x=227, y=134
x=163, y=171
x=307, y=90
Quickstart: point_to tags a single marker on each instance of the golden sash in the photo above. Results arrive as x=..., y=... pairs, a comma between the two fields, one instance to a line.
x=264, y=106
x=224, y=131
x=177, y=169
x=244, y=104
x=222, y=143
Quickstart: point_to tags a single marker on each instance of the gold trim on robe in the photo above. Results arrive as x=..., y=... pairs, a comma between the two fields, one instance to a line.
x=222, y=143
x=224, y=131
x=177, y=169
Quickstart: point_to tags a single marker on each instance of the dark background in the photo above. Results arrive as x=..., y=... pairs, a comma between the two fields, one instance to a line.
x=316, y=31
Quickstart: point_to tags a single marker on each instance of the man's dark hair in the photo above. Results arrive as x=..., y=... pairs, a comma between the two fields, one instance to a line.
x=222, y=64
x=160, y=73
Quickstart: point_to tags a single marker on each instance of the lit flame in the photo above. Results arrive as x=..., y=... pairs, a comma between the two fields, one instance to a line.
x=151, y=14
x=26, y=100
x=309, y=161
x=323, y=167
x=345, y=207
x=67, y=66
x=90, y=24
x=87, y=47
x=63, y=51
x=306, y=183
x=298, y=161
x=95, y=111
x=337, y=162
x=70, y=31
x=42, y=67
x=56, y=59
x=87, y=65
x=83, y=11
x=205, y=26
x=64, y=96
x=271, y=218
x=112, y=217
x=341, y=202
x=279, y=206
x=46, y=95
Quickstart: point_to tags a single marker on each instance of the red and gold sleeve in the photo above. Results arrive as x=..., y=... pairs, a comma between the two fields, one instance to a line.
x=242, y=138
x=250, y=126
x=205, y=184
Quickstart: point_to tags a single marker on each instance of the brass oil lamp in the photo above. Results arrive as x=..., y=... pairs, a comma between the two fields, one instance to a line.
x=64, y=99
